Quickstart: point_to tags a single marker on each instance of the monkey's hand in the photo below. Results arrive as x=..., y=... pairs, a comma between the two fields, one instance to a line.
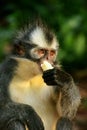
x=19, y=117
x=57, y=77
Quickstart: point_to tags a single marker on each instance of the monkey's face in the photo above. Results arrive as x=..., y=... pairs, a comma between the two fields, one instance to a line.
x=45, y=46
x=38, y=43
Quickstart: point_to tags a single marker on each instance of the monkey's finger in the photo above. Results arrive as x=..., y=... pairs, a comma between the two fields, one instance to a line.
x=49, y=72
x=50, y=75
x=50, y=80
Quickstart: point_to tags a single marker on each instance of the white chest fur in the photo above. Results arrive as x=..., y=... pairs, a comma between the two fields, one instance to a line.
x=39, y=98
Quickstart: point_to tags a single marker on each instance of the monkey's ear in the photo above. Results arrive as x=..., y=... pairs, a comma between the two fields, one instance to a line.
x=19, y=49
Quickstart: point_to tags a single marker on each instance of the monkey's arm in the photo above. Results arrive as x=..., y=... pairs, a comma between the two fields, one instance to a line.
x=69, y=94
x=14, y=116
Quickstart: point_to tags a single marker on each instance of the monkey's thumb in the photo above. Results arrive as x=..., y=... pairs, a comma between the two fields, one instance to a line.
x=64, y=124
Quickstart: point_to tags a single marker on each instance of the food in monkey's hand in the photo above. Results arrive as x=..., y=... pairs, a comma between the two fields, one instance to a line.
x=46, y=65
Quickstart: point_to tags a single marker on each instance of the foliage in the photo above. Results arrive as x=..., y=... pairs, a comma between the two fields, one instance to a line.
x=67, y=18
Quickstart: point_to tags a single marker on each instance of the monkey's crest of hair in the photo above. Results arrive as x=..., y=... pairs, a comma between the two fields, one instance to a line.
x=24, y=33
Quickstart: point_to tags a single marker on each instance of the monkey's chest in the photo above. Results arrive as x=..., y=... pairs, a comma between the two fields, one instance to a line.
x=38, y=97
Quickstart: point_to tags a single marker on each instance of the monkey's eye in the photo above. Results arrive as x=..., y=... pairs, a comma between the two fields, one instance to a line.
x=52, y=53
x=41, y=52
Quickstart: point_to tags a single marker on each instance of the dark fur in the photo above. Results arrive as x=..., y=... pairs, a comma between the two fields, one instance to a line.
x=64, y=124
x=6, y=75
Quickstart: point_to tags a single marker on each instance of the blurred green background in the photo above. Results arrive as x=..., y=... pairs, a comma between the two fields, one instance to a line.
x=68, y=19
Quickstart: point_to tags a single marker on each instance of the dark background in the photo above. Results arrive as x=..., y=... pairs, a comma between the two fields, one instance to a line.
x=68, y=19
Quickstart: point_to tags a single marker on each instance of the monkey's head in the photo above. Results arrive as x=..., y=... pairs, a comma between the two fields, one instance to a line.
x=37, y=43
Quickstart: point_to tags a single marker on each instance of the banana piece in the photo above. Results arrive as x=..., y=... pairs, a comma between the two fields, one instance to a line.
x=46, y=66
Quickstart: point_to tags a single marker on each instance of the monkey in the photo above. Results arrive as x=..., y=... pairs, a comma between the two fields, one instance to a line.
x=31, y=98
